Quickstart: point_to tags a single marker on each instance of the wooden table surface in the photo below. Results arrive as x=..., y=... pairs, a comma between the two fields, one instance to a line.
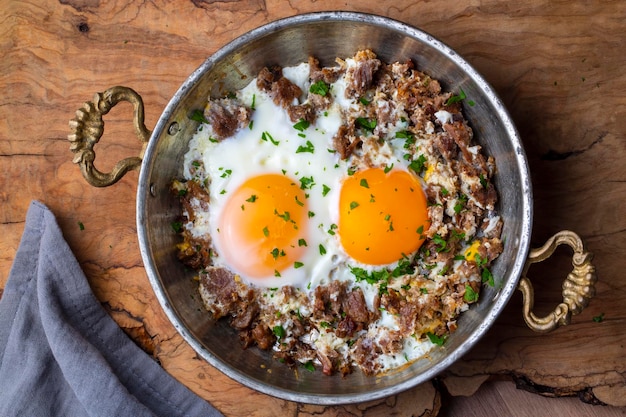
x=558, y=66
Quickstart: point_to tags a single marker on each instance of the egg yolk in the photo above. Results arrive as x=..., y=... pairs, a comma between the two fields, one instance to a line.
x=382, y=216
x=262, y=227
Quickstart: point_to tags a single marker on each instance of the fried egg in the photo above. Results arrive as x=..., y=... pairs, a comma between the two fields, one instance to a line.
x=285, y=209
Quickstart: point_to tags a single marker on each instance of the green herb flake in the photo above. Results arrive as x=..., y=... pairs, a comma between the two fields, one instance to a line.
x=364, y=101
x=252, y=198
x=306, y=183
x=279, y=331
x=470, y=295
x=366, y=124
x=599, y=318
x=437, y=340
x=253, y=105
x=308, y=147
x=456, y=99
x=266, y=231
x=298, y=265
x=388, y=168
x=266, y=136
x=353, y=205
x=319, y=87
x=176, y=226
x=285, y=216
x=322, y=249
x=302, y=125
x=418, y=164
x=487, y=277
x=309, y=366
x=226, y=173
x=81, y=226
x=363, y=183
x=198, y=116
x=302, y=242
x=325, y=190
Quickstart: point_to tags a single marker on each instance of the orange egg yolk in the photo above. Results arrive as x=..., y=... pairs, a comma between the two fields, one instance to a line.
x=382, y=216
x=262, y=225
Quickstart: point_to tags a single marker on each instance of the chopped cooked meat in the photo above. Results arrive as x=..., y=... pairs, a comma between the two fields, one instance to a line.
x=226, y=116
x=284, y=92
x=361, y=76
x=267, y=76
x=263, y=336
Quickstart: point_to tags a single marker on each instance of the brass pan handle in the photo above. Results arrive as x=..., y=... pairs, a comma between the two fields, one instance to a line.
x=87, y=129
x=578, y=287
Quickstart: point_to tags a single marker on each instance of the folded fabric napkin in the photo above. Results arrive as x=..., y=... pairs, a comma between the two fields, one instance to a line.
x=61, y=354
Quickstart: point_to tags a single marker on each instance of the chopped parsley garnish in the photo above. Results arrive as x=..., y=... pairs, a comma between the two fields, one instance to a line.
x=285, y=216
x=437, y=340
x=177, y=226
x=309, y=366
x=418, y=164
x=266, y=231
x=470, y=295
x=306, y=183
x=353, y=205
x=325, y=190
x=266, y=136
x=253, y=105
x=322, y=249
x=483, y=181
x=279, y=331
x=302, y=125
x=599, y=318
x=307, y=148
x=458, y=207
x=252, y=198
x=302, y=242
x=487, y=277
x=81, y=226
x=440, y=242
x=364, y=101
x=364, y=183
x=198, y=116
x=226, y=173
x=277, y=253
x=456, y=99
x=388, y=168
x=319, y=87
x=331, y=230
x=298, y=265
x=366, y=124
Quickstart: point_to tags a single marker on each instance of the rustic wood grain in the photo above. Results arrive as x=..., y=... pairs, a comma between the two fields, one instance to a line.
x=556, y=64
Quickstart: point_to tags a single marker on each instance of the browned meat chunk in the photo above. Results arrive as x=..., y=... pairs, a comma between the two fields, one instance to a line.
x=226, y=116
x=362, y=75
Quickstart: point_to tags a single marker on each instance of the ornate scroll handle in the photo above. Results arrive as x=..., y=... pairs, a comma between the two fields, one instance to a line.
x=87, y=128
x=578, y=287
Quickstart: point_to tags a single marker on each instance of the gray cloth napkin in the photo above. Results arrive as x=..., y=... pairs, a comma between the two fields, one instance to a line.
x=61, y=354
